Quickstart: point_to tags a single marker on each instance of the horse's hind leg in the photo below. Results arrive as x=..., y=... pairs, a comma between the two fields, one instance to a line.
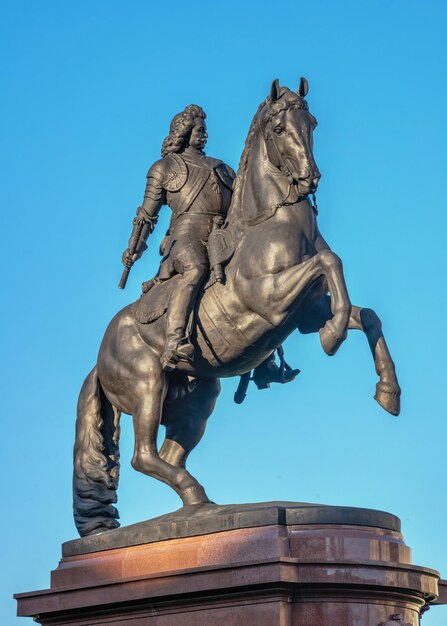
x=185, y=419
x=387, y=389
x=146, y=459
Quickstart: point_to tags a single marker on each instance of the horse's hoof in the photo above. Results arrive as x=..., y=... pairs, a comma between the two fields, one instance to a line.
x=194, y=495
x=330, y=338
x=388, y=396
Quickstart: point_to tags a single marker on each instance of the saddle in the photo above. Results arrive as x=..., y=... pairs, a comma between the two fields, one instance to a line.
x=153, y=302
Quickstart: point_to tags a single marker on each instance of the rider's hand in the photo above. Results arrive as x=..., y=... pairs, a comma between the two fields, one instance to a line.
x=129, y=259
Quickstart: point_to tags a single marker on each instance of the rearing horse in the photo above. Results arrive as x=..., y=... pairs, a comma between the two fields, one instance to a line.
x=282, y=276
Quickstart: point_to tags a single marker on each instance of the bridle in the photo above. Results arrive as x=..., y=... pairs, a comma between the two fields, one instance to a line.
x=282, y=166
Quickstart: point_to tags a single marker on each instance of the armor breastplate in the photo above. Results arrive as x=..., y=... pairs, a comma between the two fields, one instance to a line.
x=206, y=189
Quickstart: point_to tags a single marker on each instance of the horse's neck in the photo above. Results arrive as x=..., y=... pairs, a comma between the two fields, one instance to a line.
x=265, y=186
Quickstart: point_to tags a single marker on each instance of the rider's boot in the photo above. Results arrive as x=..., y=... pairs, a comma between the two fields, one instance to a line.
x=178, y=346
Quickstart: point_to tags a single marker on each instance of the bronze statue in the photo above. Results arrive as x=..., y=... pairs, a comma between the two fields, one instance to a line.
x=279, y=275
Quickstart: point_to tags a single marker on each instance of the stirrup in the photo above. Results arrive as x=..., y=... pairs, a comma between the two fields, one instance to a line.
x=268, y=372
x=263, y=379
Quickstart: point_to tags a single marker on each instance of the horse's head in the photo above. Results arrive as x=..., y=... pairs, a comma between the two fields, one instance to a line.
x=288, y=126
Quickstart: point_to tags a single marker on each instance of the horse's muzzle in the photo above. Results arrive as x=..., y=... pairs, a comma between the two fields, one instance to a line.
x=308, y=185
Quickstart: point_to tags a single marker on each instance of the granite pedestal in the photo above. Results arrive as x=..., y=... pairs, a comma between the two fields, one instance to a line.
x=270, y=564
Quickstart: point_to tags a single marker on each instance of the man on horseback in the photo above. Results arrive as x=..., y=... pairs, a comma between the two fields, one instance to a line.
x=198, y=189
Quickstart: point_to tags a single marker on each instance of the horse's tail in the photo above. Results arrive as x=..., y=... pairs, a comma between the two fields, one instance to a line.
x=96, y=460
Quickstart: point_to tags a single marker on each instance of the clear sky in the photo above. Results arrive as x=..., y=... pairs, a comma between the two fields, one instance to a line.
x=87, y=93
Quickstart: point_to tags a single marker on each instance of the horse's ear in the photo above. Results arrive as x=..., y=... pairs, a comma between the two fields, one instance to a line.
x=274, y=90
x=303, y=87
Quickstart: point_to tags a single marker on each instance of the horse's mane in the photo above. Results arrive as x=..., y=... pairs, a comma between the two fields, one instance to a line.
x=286, y=100
x=234, y=212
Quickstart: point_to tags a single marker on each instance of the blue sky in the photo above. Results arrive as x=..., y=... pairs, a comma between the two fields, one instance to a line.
x=88, y=91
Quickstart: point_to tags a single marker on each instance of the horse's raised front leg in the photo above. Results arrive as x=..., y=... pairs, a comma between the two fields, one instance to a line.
x=335, y=331
x=146, y=459
x=387, y=389
x=275, y=296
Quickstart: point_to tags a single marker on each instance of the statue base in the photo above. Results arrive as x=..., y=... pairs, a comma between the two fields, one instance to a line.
x=270, y=564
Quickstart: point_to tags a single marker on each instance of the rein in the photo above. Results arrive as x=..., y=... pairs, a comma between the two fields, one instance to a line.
x=270, y=212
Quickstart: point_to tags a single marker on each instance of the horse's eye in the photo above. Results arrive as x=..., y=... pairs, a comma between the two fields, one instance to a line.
x=278, y=130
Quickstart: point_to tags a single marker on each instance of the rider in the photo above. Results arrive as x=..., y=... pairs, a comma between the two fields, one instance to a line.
x=198, y=190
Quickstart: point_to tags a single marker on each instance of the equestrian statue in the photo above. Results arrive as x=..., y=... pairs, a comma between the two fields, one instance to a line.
x=243, y=266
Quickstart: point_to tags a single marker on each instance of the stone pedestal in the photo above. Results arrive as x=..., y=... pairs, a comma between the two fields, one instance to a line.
x=272, y=564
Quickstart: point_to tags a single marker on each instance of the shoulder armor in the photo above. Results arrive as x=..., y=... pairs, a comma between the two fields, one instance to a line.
x=226, y=175
x=156, y=171
x=175, y=174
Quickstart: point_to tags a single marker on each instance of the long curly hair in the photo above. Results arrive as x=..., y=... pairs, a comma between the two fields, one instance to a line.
x=180, y=129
